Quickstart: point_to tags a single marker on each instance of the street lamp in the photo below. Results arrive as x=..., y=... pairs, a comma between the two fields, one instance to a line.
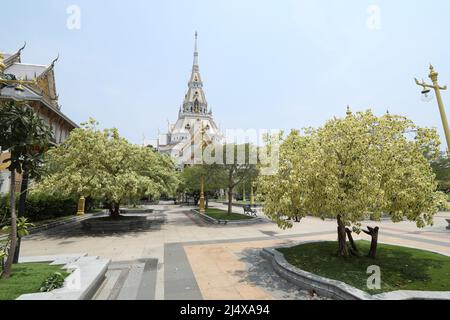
x=426, y=92
x=202, y=178
x=252, y=195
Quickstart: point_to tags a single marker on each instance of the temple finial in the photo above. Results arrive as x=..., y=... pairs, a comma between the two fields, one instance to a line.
x=349, y=111
x=196, y=51
x=23, y=47
x=54, y=61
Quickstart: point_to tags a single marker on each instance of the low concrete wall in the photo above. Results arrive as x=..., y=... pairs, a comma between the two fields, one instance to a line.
x=88, y=273
x=55, y=224
x=136, y=211
x=228, y=222
x=103, y=225
x=334, y=289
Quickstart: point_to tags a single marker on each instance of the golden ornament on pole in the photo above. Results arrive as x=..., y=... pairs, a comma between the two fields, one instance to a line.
x=81, y=204
x=202, y=179
x=437, y=89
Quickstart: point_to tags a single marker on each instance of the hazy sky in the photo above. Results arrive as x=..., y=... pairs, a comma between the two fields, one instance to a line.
x=275, y=64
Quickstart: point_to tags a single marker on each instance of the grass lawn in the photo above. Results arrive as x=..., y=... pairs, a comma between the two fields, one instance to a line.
x=224, y=215
x=26, y=278
x=248, y=202
x=401, y=268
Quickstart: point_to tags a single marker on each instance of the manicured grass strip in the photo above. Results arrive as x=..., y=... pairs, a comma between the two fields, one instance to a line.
x=224, y=215
x=26, y=278
x=248, y=202
x=401, y=268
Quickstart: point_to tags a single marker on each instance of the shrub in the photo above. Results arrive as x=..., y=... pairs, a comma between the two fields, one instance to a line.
x=445, y=206
x=40, y=206
x=54, y=281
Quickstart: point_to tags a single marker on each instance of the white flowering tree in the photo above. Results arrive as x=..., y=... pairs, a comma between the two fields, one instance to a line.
x=353, y=169
x=103, y=165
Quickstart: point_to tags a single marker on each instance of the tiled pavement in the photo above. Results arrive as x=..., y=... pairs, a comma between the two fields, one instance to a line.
x=182, y=257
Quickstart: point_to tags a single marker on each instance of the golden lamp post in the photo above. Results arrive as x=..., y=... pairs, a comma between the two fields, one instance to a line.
x=252, y=195
x=202, y=178
x=437, y=89
x=81, y=205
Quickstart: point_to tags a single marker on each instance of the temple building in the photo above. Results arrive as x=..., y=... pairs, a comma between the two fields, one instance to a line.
x=41, y=96
x=194, y=115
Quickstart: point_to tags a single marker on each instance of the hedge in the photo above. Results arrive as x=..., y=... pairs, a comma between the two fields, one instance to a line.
x=41, y=207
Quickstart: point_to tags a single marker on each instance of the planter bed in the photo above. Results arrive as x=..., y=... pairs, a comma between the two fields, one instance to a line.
x=124, y=223
x=212, y=220
x=135, y=210
x=339, y=290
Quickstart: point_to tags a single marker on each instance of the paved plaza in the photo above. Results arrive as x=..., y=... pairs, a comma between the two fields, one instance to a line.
x=183, y=257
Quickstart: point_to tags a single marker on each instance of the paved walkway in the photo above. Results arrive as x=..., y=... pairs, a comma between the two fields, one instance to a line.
x=182, y=257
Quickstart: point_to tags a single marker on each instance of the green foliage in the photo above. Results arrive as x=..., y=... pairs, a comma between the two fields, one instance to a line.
x=43, y=206
x=25, y=135
x=441, y=168
x=445, y=206
x=102, y=165
x=214, y=175
x=224, y=215
x=4, y=210
x=358, y=167
x=22, y=227
x=26, y=278
x=54, y=281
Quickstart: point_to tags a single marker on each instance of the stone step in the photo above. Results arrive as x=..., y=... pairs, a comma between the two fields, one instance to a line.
x=129, y=280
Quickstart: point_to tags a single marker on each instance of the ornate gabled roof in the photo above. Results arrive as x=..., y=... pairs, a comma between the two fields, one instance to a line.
x=43, y=90
x=26, y=71
x=44, y=75
x=29, y=95
x=15, y=57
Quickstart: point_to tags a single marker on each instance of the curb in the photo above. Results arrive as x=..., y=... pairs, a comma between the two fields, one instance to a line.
x=55, y=224
x=335, y=289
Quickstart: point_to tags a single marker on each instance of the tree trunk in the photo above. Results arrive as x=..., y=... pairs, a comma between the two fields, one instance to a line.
x=13, y=237
x=230, y=200
x=373, y=232
x=21, y=210
x=353, y=248
x=230, y=190
x=342, y=238
x=206, y=201
x=115, y=211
